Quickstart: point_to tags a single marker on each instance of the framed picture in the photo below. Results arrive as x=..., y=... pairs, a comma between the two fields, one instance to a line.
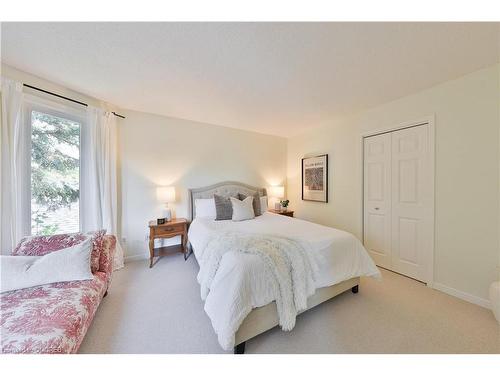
x=315, y=179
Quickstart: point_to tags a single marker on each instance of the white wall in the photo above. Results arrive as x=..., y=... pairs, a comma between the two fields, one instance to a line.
x=157, y=150
x=467, y=174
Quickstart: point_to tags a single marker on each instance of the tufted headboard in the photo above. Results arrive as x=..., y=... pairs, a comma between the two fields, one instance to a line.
x=227, y=188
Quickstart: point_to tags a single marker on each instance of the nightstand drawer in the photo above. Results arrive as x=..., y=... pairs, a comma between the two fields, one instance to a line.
x=171, y=229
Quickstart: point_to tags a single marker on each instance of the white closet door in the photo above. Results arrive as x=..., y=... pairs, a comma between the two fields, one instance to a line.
x=410, y=201
x=377, y=198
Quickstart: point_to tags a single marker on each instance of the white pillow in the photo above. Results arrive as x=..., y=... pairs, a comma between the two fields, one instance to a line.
x=263, y=204
x=205, y=208
x=242, y=210
x=72, y=263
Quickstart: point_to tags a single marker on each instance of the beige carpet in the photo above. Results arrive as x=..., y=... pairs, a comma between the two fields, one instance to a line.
x=159, y=310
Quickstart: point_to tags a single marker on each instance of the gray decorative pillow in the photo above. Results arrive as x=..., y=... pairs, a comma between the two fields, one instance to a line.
x=223, y=208
x=256, y=203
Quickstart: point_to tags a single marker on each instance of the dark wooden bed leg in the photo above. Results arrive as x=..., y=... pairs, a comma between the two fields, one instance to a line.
x=240, y=348
x=355, y=289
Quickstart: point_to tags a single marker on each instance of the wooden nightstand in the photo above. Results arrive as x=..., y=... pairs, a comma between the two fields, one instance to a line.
x=285, y=213
x=175, y=227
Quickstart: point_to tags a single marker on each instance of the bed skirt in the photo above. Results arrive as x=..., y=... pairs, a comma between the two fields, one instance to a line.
x=264, y=318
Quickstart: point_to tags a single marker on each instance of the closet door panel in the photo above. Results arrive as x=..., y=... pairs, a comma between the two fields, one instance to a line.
x=409, y=200
x=377, y=198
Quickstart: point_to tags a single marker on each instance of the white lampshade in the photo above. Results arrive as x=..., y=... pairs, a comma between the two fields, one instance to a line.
x=165, y=194
x=277, y=191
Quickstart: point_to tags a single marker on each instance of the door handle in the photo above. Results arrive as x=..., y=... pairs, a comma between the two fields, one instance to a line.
x=377, y=208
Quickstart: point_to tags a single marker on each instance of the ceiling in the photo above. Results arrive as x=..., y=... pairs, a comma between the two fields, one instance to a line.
x=274, y=78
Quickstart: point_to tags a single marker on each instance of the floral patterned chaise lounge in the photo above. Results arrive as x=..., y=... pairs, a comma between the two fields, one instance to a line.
x=54, y=318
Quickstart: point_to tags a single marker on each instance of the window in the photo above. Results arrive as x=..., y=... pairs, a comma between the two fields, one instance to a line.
x=55, y=173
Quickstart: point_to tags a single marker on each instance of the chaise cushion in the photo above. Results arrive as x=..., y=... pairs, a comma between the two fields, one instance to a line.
x=51, y=318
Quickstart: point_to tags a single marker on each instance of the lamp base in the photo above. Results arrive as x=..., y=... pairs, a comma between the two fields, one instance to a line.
x=167, y=214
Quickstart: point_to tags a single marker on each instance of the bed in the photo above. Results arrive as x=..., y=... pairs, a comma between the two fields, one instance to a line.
x=241, y=303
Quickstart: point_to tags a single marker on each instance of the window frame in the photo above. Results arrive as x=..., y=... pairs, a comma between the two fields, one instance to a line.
x=32, y=104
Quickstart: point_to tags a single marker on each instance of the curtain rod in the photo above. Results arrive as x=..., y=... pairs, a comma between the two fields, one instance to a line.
x=64, y=97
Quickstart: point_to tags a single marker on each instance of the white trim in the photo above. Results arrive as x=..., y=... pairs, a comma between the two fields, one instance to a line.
x=133, y=258
x=463, y=295
x=56, y=109
x=59, y=109
x=421, y=121
x=430, y=121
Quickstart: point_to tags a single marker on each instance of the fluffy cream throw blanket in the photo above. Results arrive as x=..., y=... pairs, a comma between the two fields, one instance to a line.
x=291, y=264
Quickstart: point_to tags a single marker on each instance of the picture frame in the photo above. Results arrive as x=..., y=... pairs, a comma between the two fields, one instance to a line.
x=315, y=178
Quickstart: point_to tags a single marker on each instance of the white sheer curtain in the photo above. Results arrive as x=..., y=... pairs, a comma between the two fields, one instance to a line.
x=14, y=162
x=98, y=185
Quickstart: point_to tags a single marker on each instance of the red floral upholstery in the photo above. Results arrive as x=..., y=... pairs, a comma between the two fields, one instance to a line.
x=41, y=245
x=54, y=318
x=107, y=254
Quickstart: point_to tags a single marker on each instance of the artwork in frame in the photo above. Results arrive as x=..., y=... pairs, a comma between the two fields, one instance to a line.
x=315, y=178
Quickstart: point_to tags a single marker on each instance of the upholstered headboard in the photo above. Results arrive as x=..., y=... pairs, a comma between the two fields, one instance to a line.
x=227, y=189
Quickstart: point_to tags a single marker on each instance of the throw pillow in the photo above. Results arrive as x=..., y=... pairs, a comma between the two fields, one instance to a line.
x=205, y=208
x=256, y=203
x=242, y=210
x=263, y=204
x=42, y=245
x=70, y=264
x=223, y=208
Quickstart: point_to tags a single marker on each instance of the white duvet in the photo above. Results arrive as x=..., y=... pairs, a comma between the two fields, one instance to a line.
x=243, y=282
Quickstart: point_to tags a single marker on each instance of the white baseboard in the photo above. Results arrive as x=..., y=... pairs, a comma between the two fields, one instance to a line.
x=462, y=295
x=133, y=258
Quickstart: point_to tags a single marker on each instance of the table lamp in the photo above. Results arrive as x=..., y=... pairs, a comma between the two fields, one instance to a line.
x=166, y=194
x=279, y=193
